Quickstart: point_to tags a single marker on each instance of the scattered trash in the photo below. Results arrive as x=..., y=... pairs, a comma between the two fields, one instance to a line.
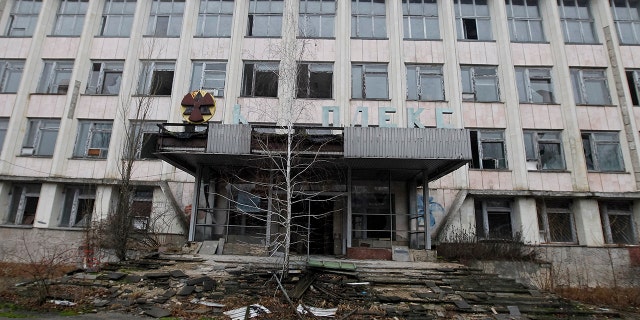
x=318, y=312
x=207, y=303
x=359, y=283
x=63, y=303
x=254, y=311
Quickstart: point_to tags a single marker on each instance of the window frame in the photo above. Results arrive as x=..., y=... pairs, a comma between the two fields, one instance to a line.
x=76, y=17
x=579, y=81
x=49, y=82
x=428, y=21
x=34, y=139
x=528, y=19
x=477, y=150
x=221, y=29
x=415, y=90
x=478, y=16
x=566, y=20
x=97, y=78
x=148, y=130
x=149, y=73
x=174, y=19
x=633, y=81
x=122, y=20
x=471, y=92
x=199, y=77
x=8, y=71
x=368, y=74
x=325, y=12
x=524, y=79
x=305, y=76
x=140, y=197
x=537, y=151
x=626, y=19
x=19, y=201
x=608, y=209
x=373, y=16
x=486, y=207
x=17, y=16
x=84, y=148
x=273, y=13
x=4, y=126
x=592, y=155
x=250, y=88
x=556, y=207
x=70, y=211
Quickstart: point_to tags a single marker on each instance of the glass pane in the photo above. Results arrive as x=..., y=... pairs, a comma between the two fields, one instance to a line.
x=47, y=143
x=417, y=28
x=609, y=157
x=376, y=86
x=588, y=33
x=522, y=85
x=528, y=146
x=412, y=84
x=433, y=29
x=431, y=88
x=541, y=91
x=486, y=89
x=260, y=26
x=492, y=150
x=621, y=229
x=550, y=156
x=625, y=32
x=597, y=92
x=560, y=227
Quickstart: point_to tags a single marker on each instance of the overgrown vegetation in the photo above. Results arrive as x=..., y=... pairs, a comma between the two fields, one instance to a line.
x=464, y=245
x=619, y=298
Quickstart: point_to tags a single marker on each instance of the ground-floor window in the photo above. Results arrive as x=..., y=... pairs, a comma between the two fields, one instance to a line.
x=24, y=202
x=617, y=222
x=555, y=220
x=493, y=219
x=78, y=206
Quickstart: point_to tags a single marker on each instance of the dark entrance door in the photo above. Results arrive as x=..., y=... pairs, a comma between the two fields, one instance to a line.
x=312, y=225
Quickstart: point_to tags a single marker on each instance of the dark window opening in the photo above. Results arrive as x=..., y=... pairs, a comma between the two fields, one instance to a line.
x=470, y=29
x=632, y=81
x=162, y=83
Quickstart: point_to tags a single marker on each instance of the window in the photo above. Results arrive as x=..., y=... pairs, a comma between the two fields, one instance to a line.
x=141, y=207
x=166, y=18
x=368, y=19
x=602, y=151
x=4, y=124
x=493, y=219
x=633, y=80
x=93, y=139
x=41, y=137
x=23, y=205
x=156, y=78
x=55, y=77
x=525, y=23
x=627, y=20
x=10, y=75
x=315, y=80
x=23, y=18
x=617, y=222
x=590, y=86
x=260, y=79
x=317, y=19
x=576, y=20
x=117, y=18
x=425, y=83
x=214, y=18
x=487, y=149
x=143, y=135
x=479, y=84
x=534, y=85
x=209, y=76
x=265, y=18
x=420, y=19
x=70, y=17
x=556, y=221
x=369, y=81
x=473, y=20
x=105, y=77
x=78, y=206
x=543, y=150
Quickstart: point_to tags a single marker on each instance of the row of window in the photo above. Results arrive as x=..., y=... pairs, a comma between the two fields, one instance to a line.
x=77, y=207
x=315, y=80
x=543, y=150
x=555, y=220
x=317, y=19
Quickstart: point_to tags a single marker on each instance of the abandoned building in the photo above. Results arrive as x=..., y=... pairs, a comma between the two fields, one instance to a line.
x=521, y=118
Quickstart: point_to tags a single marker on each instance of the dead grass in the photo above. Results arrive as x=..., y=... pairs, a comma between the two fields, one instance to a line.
x=619, y=298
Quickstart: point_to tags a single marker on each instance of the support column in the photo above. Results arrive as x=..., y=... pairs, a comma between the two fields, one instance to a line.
x=425, y=205
x=195, y=204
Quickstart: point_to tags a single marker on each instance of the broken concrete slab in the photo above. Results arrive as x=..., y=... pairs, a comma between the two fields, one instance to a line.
x=156, y=312
x=186, y=290
x=178, y=274
x=400, y=253
x=209, y=247
x=115, y=275
x=157, y=275
x=133, y=278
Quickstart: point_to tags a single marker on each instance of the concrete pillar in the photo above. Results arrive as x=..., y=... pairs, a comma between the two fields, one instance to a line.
x=588, y=222
x=525, y=219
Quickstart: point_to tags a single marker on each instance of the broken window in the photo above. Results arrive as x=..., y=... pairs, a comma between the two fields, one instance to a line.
x=156, y=78
x=105, y=77
x=70, y=17
x=590, y=86
x=315, y=80
x=141, y=207
x=117, y=18
x=577, y=22
x=493, y=219
x=543, y=150
x=525, y=23
x=487, y=149
x=10, y=75
x=555, y=221
x=41, y=137
x=602, y=151
x=369, y=81
x=425, y=83
x=23, y=18
x=166, y=18
x=4, y=124
x=260, y=79
x=368, y=19
x=627, y=20
x=633, y=80
x=534, y=85
x=144, y=135
x=265, y=18
x=473, y=20
x=214, y=18
x=78, y=206
x=617, y=222
x=55, y=77
x=317, y=19
x=93, y=139
x=420, y=19
x=209, y=76
x=23, y=205
x=479, y=84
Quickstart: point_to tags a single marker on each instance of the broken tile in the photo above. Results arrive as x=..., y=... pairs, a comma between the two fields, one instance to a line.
x=461, y=304
x=132, y=278
x=178, y=274
x=514, y=310
x=186, y=290
x=157, y=275
x=116, y=276
x=157, y=312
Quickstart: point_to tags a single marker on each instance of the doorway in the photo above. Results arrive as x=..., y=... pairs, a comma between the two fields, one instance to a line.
x=313, y=225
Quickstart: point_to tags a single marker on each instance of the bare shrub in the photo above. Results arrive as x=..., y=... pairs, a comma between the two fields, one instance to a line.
x=464, y=245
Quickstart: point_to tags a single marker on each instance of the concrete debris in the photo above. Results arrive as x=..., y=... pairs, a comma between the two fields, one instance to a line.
x=241, y=313
x=207, y=303
x=64, y=303
x=318, y=312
